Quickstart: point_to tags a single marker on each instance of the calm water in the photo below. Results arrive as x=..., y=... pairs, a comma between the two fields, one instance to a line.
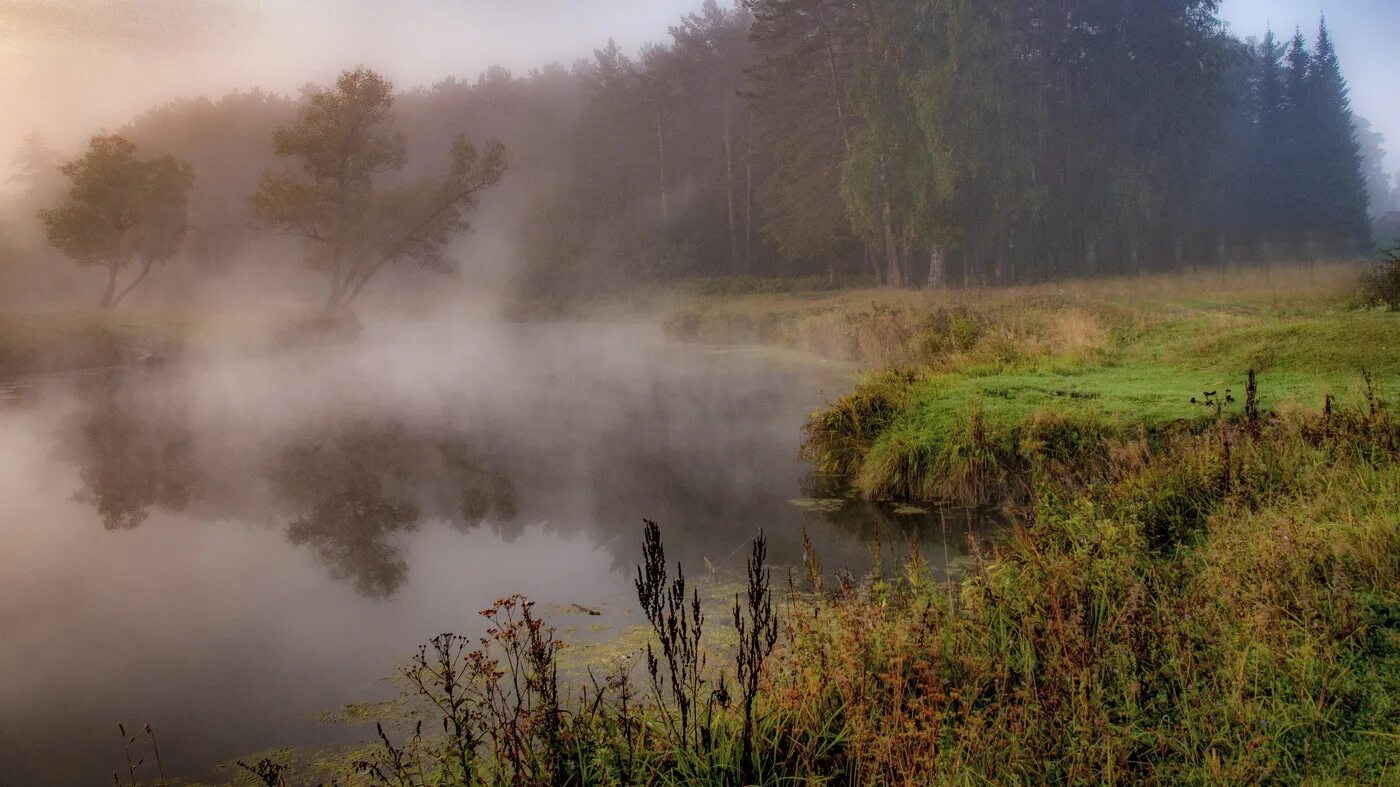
x=225, y=548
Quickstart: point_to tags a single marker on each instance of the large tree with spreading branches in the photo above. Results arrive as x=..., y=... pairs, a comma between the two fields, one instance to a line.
x=354, y=224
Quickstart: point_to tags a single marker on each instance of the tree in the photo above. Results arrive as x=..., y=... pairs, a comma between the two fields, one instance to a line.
x=225, y=140
x=1383, y=199
x=1340, y=186
x=713, y=50
x=799, y=93
x=353, y=225
x=886, y=177
x=120, y=212
x=36, y=171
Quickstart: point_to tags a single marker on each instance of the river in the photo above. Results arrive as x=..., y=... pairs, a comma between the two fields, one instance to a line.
x=226, y=547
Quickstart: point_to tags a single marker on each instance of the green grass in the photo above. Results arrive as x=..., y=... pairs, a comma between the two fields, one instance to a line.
x=1121, y=369
x=1194, y=616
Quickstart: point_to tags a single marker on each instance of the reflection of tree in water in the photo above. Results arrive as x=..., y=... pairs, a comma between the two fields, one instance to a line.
x=356, y=486
x=347, y=488
x=129, y=462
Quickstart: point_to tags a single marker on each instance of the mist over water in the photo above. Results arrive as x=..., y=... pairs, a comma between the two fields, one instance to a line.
x=313, y=437
x=226, y=546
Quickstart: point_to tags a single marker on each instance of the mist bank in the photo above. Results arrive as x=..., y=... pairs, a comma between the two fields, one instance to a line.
x=926, y=144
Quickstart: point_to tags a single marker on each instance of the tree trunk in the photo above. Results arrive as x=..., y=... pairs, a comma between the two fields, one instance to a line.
x=145, y=269
x=333, y=303
x=893, y=275
x=729, y=188
x=748, y=201
x=661, y=168
x=937, y=260
x=837, y=92
x=111, y=287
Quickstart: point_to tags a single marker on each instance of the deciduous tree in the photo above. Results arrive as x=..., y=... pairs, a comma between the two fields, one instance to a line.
x=121, y=212
x=353, y=223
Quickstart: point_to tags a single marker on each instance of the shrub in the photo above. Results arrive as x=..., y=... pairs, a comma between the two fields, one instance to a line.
x=839, y=436
x=1381, y=286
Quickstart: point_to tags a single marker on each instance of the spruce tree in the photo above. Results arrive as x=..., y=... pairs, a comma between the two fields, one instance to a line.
x=1271, y=139
x=1341, y=201
x=799, y=91
x=1297, y=161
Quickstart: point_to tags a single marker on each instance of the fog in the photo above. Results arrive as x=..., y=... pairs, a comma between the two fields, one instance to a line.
x=226, y=547
x=154, y=52
x=340, y=413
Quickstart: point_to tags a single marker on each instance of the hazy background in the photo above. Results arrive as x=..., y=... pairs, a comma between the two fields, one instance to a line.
x=70, y=67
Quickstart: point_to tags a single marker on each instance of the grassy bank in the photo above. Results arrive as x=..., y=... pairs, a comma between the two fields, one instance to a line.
x=1202, y=592
x=969, y=389
x=1225, y=608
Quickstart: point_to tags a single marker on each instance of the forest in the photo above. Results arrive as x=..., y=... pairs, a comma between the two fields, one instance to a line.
x=938, y=143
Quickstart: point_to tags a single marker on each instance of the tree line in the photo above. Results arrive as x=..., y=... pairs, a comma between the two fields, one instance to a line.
x=911, y=142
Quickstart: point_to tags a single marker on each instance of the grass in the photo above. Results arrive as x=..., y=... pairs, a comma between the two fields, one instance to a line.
x=1223, y=607
x=982, y=384
x=1187, y=592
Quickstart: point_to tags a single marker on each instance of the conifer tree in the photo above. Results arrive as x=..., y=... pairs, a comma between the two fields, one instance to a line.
x=1267, y=164
x=1340, y=187
x=1297, y=158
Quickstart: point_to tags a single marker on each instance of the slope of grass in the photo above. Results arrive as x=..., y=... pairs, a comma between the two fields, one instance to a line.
x=1035, y=372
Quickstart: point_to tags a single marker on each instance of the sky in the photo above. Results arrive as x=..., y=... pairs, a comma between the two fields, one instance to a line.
x=71, y=67
x=1367, y=33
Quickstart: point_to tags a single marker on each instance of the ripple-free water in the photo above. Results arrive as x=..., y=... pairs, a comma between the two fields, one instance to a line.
x=226, y=547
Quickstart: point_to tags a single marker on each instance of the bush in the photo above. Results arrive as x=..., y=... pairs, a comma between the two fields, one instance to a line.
x=1381, y=286
x=840, y=435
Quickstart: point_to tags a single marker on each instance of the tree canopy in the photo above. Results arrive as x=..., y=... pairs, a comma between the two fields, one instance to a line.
x=354, y=224
x=910, y=143
x=120, y=212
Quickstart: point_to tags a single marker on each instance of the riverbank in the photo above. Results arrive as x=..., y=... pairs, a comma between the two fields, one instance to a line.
x=1200, y=582
x=1183, y=592
x=1225, y=609
x=967, y=392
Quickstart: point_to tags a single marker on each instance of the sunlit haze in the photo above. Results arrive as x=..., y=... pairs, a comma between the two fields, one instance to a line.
x=760, y=391
x=52, y=52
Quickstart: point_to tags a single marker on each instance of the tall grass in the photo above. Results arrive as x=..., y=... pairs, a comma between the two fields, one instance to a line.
x=881, y=327
x=1216, y=606
x=977, y=395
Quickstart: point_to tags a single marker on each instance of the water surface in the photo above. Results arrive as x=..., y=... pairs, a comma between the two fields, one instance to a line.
x=226, y=547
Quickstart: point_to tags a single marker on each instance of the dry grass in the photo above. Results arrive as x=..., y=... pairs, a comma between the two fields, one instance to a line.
x=1199, y=614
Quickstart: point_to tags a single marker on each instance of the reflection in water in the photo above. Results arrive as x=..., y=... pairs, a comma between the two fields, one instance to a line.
x=346, y=490
x=280, y=497
x=706, y=447
x=355, y=486
x=128, y=462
